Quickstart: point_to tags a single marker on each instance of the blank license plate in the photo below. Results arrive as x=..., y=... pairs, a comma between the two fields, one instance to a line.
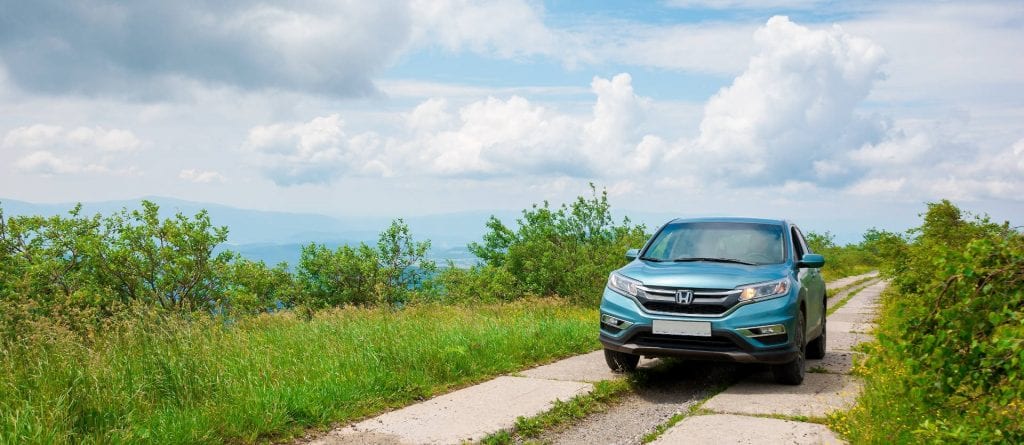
x=674, y=327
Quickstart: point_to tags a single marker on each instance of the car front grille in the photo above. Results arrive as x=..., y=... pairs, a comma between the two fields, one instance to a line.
x=705, y=302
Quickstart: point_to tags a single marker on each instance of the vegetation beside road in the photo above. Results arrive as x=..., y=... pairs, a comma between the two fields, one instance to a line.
x=948, y=362
x=156, y=379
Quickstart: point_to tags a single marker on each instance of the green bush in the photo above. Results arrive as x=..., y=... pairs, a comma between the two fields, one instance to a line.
x=843, y=261
x=251, y=287
x=76, y=265
x=480, y=283
x=948, y=365
x=388, y=273
x=567, y=251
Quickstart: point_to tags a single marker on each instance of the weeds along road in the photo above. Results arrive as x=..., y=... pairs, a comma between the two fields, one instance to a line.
x=667, y=387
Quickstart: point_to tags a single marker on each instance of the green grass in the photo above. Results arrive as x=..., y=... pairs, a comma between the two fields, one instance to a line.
x=833, y=271
x=267, y=377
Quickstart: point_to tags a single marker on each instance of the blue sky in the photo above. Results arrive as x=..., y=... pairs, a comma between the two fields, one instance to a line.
x=840, y=115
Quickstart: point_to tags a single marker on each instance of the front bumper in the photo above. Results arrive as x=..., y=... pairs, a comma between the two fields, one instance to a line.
x=725, y=343
x=698, y=350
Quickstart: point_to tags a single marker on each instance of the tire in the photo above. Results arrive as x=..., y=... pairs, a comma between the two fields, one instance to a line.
x=621, y=361
x=816, y=348
x=792, y=373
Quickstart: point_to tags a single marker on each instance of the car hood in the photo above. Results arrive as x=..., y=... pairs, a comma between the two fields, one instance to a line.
x=703, y=275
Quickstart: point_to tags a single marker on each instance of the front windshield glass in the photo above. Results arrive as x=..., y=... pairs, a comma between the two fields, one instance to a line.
x=752, y=243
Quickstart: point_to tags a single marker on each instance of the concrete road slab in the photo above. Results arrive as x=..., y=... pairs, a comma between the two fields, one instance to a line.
x=846, y=326
x=465, y=415
x=730, y=429
x=845, y=341
x=589, y=367
x=844, y=281
x=847, y=317
x=581, y=368
x=819, y=395
x=835, y=362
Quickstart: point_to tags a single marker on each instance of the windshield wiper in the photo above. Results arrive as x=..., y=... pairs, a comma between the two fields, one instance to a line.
x=647, y=258
x=713, y=260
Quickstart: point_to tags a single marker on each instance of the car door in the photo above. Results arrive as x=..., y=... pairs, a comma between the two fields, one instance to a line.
x=811, y=280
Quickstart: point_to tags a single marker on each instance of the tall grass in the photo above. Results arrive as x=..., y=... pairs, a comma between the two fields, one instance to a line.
x=172, y=380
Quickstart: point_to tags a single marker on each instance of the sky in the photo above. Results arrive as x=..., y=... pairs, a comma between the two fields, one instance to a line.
x=837, y=115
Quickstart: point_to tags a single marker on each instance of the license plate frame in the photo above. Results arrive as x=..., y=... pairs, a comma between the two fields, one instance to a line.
x=682, y=328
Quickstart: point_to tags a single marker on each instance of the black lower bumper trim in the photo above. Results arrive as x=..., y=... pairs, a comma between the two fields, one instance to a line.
x=774, y=356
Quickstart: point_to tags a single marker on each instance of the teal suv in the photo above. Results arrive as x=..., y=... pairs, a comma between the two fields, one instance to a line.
x=731, y=289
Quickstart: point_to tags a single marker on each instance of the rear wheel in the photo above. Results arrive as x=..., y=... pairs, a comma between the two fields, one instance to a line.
x=792, y=373
x=621, y=361
x=816, y=348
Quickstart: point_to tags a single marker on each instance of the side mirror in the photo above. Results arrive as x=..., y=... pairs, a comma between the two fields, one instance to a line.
x=631, y=254
x=811, y=260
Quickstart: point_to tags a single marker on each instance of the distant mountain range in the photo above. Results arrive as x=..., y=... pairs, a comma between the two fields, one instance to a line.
x=278, y=236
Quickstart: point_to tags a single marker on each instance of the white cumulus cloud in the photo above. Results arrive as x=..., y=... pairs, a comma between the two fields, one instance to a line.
x=52, y=149
x=314, y=152
x=794, y=101
x=516, y=137
x=81, y=138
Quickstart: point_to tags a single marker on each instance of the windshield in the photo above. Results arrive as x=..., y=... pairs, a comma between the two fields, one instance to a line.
x=733, y=242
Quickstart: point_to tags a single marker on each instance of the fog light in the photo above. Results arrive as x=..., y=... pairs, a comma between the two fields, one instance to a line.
x=763, y=331
x=615, y=322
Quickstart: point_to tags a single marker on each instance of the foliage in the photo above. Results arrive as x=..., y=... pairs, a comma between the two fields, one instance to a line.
x=387, y=273
x=479, y=283
x=77, y=265
x=567, y=251
x=155, y=377
x=251, y=287
x=948, y=365
x=843, y=261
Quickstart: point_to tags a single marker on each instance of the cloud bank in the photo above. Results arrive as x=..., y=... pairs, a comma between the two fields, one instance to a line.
x=789, y=120
x=51, y=149
x=148, y=48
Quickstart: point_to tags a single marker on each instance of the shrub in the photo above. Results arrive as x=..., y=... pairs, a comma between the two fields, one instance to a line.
x=948, y=365
x=96, y=265
x=842, y=261
x=252, y=287
x=388, y=273
x=567, y=251
x=480, y=283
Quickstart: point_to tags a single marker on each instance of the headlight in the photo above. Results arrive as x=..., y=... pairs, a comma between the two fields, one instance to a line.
x=765, y=290
x=623, y=285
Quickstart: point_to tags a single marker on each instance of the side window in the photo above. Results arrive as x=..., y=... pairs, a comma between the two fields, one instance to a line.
x=799, y=246
x=803, y=242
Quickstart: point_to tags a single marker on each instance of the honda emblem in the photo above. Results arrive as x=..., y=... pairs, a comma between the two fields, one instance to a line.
x=684, y=296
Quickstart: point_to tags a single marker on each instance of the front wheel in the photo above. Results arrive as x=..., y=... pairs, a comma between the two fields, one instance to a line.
x=621, y=361
x=792, y=373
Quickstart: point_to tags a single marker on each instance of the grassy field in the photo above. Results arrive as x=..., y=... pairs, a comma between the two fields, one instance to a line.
x=271, y=376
